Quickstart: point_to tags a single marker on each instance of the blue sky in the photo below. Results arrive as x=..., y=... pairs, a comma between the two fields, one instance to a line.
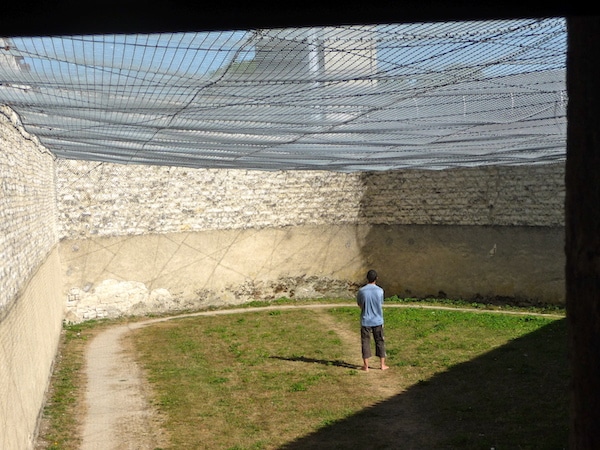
x=496, y=47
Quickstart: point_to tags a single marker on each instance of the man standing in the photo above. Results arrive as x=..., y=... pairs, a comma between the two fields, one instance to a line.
x=370, y=301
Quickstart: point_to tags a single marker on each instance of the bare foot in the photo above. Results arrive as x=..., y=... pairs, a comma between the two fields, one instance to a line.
x=384, y=367
x=365, y=368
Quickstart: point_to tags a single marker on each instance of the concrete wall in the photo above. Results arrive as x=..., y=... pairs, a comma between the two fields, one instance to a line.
x=31, y=300
x=141, y=239
x=114, y=276
x=494, y=264
x=29, y=334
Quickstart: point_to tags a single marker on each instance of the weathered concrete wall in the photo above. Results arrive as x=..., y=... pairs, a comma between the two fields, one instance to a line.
x=29, y=335
x=140, y=239
x=210, y=268
x=181, y=271
x=31, y=299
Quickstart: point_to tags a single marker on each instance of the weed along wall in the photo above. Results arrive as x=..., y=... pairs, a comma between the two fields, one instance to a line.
x=138, y=239
x=31, y=297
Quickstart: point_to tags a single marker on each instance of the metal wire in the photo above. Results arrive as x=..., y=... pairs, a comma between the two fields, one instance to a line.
x=348, y=98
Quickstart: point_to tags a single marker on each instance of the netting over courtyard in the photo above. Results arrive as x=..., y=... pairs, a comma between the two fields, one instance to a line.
x=344, y=98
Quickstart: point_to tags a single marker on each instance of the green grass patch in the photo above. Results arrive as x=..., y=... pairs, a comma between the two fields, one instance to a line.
x=288, y=379
x=488, y=306
x=264, y=380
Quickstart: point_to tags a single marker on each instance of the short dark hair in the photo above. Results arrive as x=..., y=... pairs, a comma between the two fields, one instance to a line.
x=371, y=276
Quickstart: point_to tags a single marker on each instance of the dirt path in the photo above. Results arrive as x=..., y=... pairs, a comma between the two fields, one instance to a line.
x=382, y=384
x=118, y=413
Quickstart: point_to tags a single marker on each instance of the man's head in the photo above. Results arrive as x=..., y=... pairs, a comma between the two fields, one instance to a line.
x=371, y=276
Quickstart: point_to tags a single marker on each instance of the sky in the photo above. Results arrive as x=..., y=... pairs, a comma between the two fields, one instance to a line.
x=493, y=47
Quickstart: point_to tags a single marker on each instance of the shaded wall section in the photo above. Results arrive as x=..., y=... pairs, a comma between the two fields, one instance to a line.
x=583, y=230
x=486, y=234
x=522, y=265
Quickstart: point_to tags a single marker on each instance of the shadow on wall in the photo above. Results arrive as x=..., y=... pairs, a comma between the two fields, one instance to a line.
x=422, y=250
x=519, y=401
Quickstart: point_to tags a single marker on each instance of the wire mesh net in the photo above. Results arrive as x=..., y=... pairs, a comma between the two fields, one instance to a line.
x=344, y=98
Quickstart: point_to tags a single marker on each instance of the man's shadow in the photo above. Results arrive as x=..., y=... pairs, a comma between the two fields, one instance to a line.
x=325, y=362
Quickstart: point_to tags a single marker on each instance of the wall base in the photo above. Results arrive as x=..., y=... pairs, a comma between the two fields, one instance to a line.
x=135, y=275
x=29, y=336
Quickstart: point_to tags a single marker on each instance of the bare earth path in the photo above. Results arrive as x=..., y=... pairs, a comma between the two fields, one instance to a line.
x=118, y=414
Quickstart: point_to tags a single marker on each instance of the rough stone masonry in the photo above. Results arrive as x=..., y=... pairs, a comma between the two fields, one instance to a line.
x=119, y=209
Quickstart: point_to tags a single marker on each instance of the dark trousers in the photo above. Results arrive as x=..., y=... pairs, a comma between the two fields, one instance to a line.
x=365, y=338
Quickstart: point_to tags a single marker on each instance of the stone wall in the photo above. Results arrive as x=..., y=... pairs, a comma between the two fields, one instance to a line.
x=140, y=239
x=102, y=199
x=31, y=300
x=483, y=196
x=28, y=214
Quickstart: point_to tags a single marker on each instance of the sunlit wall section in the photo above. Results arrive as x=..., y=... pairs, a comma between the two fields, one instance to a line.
x=31, y=307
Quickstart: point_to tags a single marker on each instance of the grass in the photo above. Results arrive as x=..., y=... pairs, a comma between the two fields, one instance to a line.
x=289, y=379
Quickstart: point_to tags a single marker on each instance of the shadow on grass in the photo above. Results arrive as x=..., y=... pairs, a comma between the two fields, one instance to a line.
x=325, y=362
x=514, y=397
